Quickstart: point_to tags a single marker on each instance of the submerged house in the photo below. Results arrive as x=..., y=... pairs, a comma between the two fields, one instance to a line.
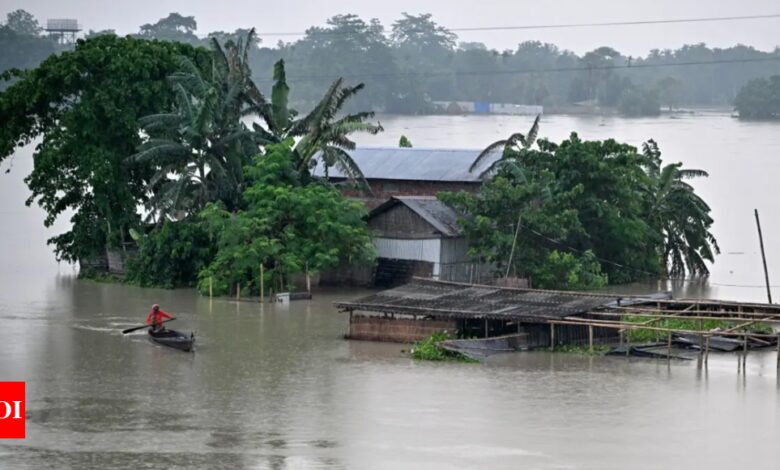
x=422, y=307
x=392, y=171
x=414, y=233
x=418, y=236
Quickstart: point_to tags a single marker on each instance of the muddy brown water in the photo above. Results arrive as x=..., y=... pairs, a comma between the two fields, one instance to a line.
x=277, y=387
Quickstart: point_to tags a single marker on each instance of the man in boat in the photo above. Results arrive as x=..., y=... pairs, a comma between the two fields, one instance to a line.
x=156, y=317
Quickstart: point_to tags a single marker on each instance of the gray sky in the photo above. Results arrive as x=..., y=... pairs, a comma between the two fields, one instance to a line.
x=296, y=15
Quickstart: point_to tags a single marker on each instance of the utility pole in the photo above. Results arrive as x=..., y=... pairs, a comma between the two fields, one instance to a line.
x=763, y=257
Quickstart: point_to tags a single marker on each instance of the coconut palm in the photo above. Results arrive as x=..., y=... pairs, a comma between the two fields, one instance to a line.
x=517, y=142
x=680, y=215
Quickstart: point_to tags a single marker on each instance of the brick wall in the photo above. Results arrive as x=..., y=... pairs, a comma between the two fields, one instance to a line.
x=396, y=330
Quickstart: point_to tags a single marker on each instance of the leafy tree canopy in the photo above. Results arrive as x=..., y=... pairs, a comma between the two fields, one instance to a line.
x=606, y=208
x=23, y=23
x=759, y=99
x=84, y=105
x=287, y=227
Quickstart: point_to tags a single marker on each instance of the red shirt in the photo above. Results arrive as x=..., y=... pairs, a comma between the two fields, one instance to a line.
x=157, y=317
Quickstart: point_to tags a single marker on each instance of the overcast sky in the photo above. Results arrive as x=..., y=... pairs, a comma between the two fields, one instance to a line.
x=297, y=15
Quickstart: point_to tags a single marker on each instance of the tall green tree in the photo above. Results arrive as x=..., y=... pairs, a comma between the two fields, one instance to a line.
x=759, y=99
x=23, y=23
x=200, y=147
x=174, y=27
x=84, y=105
x=286, y=226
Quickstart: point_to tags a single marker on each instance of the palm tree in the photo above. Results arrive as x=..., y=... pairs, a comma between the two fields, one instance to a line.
x=680, y=215
x=321, y=134
x=199, y=148
x=515, y=142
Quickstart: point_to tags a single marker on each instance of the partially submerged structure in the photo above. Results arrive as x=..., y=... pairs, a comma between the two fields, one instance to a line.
x=545, y=318
x=472, y=310
x=418, y=236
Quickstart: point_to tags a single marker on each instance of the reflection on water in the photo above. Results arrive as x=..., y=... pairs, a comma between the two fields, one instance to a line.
x=278, y=387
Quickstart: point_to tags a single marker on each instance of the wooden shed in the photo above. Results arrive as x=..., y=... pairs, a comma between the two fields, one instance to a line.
x=417, y=236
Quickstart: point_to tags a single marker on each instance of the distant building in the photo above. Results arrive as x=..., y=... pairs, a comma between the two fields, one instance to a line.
x=483, y=107
x=395, y=171
x=64, y=30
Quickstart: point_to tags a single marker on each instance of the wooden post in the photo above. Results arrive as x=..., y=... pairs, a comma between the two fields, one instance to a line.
x=308, y=279
x=262, y=283
x=706, y=350
x=350, y=323
x=238, y=291
x=701, y=342
x=487, y=328
x=552, y=336
x=514, y=243
x=211, y=287
x=669, y=345
x=778, y=351
x=590, y=338
x=763, y=258
x=628, y=343
x=744, y=355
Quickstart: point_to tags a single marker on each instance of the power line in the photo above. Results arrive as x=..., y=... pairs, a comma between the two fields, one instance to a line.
x=303, y=78
x=559, y=25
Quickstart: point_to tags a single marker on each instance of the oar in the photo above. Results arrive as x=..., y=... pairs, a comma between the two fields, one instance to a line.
x=135, y=328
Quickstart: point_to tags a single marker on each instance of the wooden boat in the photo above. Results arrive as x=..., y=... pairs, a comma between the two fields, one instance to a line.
x=173, y=339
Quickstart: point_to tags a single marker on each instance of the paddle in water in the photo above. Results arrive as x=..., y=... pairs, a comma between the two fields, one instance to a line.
x=136, y=328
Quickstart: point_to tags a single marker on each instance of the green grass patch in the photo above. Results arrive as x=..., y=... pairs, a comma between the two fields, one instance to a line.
x=429, y=350
x=642, y=335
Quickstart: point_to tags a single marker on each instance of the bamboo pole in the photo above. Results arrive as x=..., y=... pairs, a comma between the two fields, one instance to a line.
x=211, y=287
x=706, y=350
x=744, y=355
x=763, y=257
x=590, y=338
x=669, y=345
x=487, y=328
x=238, y=291
x=262, y=282
x=308, y=279
x=778, y=352
x=514, y=243
x=701, y=343
x=552, y=336
x=634, y=326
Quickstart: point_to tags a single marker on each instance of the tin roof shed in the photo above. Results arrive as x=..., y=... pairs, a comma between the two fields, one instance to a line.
x=414, y=164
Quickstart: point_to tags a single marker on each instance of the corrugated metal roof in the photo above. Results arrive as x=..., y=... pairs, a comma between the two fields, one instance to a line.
x=416, y=164
x=441, y=216
x=449, y=299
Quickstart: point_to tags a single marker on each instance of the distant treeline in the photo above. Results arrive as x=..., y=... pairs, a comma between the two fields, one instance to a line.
x=415, y=61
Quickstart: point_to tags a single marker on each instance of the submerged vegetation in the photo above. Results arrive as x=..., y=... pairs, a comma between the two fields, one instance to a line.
x=759, y=99
x=641, y=335
x=429, y=350
x=579, y=214
x=164, y=128
x=224, y=173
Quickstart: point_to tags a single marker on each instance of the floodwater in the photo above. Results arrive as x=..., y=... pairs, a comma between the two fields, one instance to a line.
x=277, y=387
